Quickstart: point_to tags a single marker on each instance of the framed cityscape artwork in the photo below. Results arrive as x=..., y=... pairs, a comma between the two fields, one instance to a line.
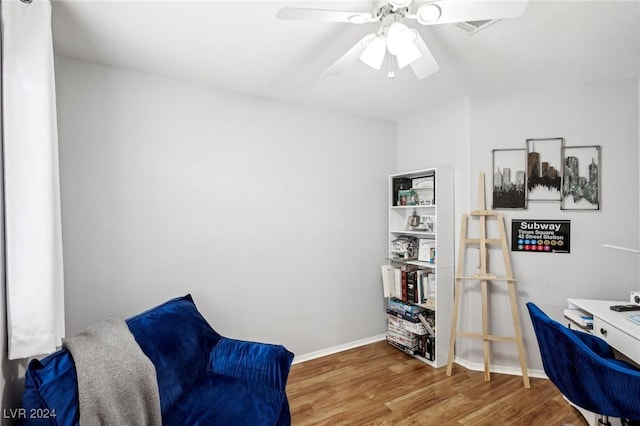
x=544, y=169
x=581, y=178
x=509, y=179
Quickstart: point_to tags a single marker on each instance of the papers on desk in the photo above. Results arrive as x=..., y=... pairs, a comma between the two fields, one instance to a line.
x=634, y=318
x=579, y=317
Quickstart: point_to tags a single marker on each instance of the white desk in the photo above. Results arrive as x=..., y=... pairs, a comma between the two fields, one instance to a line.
x=615, y=328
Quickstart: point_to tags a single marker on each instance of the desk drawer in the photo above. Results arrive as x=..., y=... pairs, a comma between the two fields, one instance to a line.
x=618, y=339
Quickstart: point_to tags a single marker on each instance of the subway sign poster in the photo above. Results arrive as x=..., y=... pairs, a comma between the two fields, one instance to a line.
x=541, y=236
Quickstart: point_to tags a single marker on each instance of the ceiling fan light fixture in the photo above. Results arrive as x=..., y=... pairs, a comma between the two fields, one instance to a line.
x=407, y=55
x=428, y=14
x=373, y=54
x=398, y=36
x=401, y=43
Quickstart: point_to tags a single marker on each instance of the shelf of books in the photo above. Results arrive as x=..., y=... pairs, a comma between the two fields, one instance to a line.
x=418, y=279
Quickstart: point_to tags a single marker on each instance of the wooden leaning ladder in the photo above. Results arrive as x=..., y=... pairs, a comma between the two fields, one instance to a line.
x=484, y=277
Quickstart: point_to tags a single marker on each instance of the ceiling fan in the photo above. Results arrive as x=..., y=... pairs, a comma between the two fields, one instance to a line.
x=403, y=44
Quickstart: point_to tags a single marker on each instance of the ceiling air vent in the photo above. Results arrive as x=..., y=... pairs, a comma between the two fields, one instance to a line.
x=472, y=27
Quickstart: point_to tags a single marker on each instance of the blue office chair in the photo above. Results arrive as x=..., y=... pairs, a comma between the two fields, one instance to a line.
x=582, y=366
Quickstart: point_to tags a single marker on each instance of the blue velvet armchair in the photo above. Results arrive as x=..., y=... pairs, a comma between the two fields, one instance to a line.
x=584, y=369
x=203, y=377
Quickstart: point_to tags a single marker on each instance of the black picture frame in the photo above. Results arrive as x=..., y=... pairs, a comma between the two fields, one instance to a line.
x=581, y=177
x=509, y=179
x=544, y=169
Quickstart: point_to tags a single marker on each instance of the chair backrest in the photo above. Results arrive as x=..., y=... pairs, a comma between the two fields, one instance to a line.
x=178, y=340
x=582, y=367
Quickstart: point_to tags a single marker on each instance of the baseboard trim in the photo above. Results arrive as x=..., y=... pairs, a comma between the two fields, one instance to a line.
x=473, y=366
x=335, y=349
x=499, y=369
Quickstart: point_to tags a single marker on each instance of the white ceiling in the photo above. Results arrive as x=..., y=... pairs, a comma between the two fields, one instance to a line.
x=241, y=46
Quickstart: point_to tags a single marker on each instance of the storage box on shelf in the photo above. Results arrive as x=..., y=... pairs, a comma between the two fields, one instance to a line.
x=411, y=328
x=421, y=246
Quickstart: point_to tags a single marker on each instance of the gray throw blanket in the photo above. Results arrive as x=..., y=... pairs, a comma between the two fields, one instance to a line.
x=117, y=383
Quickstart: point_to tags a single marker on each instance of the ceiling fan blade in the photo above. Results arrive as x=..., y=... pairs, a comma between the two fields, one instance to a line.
x=426, y=65
x=321, y=15
x=351, y=56
x=451, y=11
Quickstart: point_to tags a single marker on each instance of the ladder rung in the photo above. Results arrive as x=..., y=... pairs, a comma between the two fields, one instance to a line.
x=487, y=277
x=483, y=213
x=480, y=240
x=487, y=337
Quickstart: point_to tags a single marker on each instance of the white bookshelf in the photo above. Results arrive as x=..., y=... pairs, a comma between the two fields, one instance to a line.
x=440, y=207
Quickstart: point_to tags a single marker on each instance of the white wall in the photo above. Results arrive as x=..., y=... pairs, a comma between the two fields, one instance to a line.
x=439, y=138
x=603, y=114
x=271, y=214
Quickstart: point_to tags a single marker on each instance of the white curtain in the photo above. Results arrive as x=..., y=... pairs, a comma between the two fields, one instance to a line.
x=33, y=240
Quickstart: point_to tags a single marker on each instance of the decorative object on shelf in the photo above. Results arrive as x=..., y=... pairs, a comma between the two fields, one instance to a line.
x=421, y=223
x=414, y=219
x=404, y=247
x=509, y=179
x=407, y=197
x=399, y=184
x=544, y=169
x=425, y=190
x=427, y=223
x=581, y=178
x=427, y=250
x=484, y=278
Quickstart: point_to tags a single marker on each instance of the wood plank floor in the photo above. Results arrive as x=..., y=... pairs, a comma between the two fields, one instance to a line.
x=379, y=385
